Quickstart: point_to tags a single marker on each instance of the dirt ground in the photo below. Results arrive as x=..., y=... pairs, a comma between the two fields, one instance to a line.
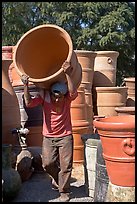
x=38, y=188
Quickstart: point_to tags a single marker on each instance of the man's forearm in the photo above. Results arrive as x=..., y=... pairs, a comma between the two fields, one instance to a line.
x=71, y=87
x=27, y=96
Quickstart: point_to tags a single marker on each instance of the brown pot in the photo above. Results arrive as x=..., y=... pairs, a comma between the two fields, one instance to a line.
x=105, y=99
x=10, y=106
x=117, y=134
x=130, y=83
x=105, y=68
x=40, y=53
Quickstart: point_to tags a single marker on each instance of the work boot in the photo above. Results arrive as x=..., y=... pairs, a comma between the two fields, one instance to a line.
x=64, y=197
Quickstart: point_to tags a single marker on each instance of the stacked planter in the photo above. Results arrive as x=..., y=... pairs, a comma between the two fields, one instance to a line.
x=86, y=59
x=80, y=124
x=107, y=98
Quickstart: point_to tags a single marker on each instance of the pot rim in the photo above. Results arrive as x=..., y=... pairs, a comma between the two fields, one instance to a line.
x=117, y=123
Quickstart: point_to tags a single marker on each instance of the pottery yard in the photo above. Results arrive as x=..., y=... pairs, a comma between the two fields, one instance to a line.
x=102, y=116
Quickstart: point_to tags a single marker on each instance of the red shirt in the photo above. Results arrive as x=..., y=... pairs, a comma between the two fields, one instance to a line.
x=55, y=124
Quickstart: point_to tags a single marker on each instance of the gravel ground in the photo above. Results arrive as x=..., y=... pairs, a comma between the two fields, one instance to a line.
x=38, y=188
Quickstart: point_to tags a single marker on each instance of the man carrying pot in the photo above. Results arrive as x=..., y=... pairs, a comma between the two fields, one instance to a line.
x=57, y=147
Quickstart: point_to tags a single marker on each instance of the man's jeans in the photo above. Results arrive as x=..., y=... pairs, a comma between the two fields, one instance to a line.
x=57, y=158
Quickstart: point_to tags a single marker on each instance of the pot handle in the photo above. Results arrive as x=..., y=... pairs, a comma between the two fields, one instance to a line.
x=109, y=60
x=128, y=146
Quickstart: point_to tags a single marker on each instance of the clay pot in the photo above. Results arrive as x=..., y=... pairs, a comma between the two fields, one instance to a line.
x=105, y=99
x=117, y=134
x=6, y=52
x=40, y=53
x=11, y=178
x=125, y=110
x=130, y=83
x=10, y=106
x=105, y=65
x=86, y=59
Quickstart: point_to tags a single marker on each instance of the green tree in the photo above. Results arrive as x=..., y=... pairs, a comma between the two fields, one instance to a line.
x=92, y=26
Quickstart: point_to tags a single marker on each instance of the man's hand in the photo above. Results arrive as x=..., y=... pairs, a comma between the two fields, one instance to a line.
x=67, y=67
x=25, y=79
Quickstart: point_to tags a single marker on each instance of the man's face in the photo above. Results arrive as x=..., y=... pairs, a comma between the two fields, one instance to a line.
x=57, y=97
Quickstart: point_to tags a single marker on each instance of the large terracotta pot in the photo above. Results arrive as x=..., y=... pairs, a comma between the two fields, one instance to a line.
x=10, y=106
x=105, y=65
x=117, y=134
x=130, y=83
x=80, y=124
x=40, y=53
x=86, y=59
x=105, y=99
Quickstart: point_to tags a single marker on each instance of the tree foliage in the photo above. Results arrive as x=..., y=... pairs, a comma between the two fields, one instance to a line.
x=92, y=26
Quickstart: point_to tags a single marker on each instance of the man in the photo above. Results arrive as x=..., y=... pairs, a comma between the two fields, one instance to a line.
x=57, y=147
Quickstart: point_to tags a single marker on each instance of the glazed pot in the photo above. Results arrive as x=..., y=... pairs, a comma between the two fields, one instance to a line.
x=40, y=53
x=117, y=134
x=105, y=65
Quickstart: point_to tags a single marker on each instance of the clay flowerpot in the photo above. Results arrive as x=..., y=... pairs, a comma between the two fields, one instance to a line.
x=105, y=99
x=86, y=59
x=130, y=83
x=40, y=53
x=105, y=65
x=117, y=134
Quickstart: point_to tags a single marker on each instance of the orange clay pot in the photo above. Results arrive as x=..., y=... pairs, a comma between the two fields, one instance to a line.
x=86, y=59
x=40, y=53
x=130, y=83
x=117, y=134
x=105, y=65
x=105, y=99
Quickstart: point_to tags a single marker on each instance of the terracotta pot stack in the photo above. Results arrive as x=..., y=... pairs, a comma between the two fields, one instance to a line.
x=86, y=59
x=82, y=106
